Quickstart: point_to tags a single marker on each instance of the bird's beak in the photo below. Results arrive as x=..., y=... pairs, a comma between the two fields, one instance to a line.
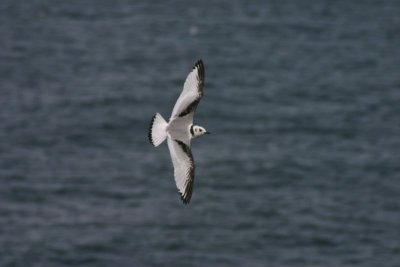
x=208, y=133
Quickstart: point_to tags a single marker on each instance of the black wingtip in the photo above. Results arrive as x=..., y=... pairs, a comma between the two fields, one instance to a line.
x=200, y=66
x=186, y=199
x=198, y=63
x=187, y=195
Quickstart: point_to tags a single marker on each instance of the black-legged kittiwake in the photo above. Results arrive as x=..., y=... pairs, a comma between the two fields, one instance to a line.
x=180, y=130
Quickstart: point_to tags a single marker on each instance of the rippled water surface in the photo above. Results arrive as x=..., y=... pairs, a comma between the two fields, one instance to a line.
x=302, y=168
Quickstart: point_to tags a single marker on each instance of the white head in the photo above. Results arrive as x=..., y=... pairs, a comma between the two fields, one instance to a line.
x=196, y=130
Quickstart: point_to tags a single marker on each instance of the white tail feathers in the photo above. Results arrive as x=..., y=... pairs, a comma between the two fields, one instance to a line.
x=158, y=130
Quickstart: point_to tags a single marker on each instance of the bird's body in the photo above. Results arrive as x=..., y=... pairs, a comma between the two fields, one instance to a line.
x=180, y=130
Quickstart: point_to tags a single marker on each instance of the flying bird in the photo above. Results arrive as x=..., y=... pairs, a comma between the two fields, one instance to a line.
x=180, y=130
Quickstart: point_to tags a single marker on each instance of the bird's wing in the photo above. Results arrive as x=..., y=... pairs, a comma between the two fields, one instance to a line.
x=191, y=93
x=182, y=160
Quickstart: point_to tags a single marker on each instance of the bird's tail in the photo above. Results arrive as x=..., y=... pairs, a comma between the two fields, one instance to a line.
x=158, y=130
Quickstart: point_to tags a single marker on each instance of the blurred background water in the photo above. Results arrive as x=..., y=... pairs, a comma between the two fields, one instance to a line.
x=302, y=98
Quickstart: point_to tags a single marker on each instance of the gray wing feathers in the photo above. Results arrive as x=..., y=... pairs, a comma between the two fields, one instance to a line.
x=192, y=92
x=182, y=160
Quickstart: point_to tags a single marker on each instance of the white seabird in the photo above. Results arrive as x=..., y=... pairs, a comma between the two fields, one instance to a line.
x=180, y=130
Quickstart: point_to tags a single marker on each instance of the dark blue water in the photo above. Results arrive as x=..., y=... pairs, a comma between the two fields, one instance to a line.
x=302, y=169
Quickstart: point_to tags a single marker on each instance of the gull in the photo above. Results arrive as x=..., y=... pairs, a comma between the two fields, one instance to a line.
x=180, y=130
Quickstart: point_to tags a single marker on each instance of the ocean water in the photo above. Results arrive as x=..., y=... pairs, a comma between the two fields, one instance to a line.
x=302, y=167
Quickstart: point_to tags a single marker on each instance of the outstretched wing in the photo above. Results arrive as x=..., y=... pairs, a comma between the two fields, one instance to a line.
x=191, y=93
x=182, y=160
